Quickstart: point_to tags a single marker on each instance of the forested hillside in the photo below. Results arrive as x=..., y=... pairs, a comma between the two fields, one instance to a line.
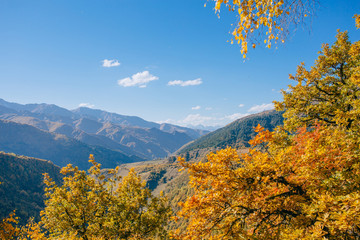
x=236, y=134
x=22, y=187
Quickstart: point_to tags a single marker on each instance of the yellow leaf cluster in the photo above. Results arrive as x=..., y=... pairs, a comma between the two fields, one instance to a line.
x=357, y=20
x=300, y=181
x=8, y=227
x=101, y=205
x=302, y=186
x=259, y=19
x=329, y=91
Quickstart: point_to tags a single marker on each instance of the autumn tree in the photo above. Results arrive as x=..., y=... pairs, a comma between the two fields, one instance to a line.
x=297, y=184
x=8, y=227
x=303, y=186
x=98, y=205
x=265, y=21
x=357, y=20
x=329, y=91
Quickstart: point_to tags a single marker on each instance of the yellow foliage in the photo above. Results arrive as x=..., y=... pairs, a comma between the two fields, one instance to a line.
x=32, y=231
x=357, y=20
x=329, y=91
x=300, y=181
x=259, y=16
x=97, y=206
x=302, y=186
x=8, y=227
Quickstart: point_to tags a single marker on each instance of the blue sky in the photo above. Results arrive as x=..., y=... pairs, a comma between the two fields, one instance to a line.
x=177, y=53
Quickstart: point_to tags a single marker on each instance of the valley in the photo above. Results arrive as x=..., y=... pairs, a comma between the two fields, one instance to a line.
x=161, y=175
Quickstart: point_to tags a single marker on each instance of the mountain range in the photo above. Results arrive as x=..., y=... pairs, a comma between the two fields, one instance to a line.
x=52, y=132
x=21, y=176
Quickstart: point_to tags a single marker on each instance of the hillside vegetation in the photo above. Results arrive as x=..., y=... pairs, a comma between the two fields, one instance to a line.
x=298, y=181
x=236, y=134
x=22, y=187
x=22, y=176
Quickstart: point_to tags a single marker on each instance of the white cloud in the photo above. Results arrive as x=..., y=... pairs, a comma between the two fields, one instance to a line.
x=241, y=105
x=262, y=107
x=139, y=79
x=110, y=63
x=181, y=83
x=236, y=116
x=208, y=108
x=195, y=108
x=276, y=91
x=88, y=105
x=192, y=120
x=196, y=119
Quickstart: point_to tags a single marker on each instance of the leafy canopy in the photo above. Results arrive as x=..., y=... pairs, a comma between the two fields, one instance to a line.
x=329, y=92
x=304, y=186
x=95, y=206
x=8, y=227
x=297, y=184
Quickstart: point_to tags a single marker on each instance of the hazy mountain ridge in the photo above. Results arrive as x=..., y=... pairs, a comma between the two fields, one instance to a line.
x=117, y=119
x=30, y=141
x=69, y=131
x=130, y=135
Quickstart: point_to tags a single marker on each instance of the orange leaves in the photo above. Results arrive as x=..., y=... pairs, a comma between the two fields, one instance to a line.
x=294, y=187
x=302, y=184
x=261, y=137
x=8, y=228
